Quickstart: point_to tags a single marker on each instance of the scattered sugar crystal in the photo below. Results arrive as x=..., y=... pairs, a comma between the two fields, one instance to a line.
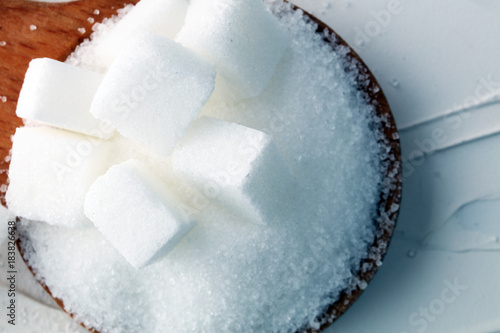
x=243, y=39
x=3, y=43
x=363, y=285
x=96, y=12
x=162, y=17
x=136, y=213
x=33, y=27
x=59, y=94
x=394, y=208
x=153, y=91
x=237, y=166
x=50, y=173
x=411, y=253
x=81, y=30
x=91, y=20
x=4, y=99
x=360, y=42
x=230, y=276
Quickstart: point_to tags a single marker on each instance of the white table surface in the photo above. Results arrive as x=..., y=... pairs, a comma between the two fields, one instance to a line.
x=438, y=63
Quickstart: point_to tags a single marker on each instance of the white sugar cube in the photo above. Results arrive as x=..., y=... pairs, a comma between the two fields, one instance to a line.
x=236, y=166
x=162, y=17
x=136, y=213
x=242, y=38
x=59, y=94
x=153, y=91
x=51, y=171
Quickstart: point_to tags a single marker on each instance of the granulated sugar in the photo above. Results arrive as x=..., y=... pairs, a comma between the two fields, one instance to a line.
x=228, y=275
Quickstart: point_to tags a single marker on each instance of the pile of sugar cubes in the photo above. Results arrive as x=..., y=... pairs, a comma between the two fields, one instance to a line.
x=68, y=165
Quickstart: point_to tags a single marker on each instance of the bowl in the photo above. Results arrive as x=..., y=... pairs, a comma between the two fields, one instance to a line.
x=390, y=195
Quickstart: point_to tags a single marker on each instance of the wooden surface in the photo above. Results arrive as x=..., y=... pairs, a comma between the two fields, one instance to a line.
x=58, y=32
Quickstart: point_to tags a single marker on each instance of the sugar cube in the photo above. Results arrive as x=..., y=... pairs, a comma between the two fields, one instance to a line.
x=236, y=166
x=59, y=94
x=51, y=171
x=162, y=17
x=242, y=38
x=153, y=91
x=136, y=213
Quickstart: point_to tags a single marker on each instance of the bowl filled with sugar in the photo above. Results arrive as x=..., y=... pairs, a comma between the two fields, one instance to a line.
x=211, y=166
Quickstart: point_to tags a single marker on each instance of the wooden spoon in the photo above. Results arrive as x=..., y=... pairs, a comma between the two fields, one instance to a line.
x=33, y=30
